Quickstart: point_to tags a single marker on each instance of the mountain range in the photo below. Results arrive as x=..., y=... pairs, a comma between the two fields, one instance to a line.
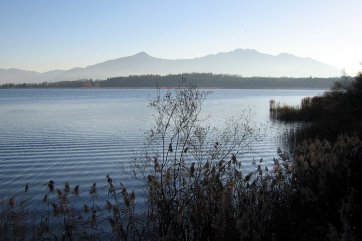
x=244, y=62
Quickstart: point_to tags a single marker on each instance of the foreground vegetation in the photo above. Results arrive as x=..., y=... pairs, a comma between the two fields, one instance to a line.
x=328, y=137
x=197, y=189
x=337, y=112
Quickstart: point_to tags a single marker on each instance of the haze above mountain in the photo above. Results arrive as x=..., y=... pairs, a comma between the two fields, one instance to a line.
x=244, y=62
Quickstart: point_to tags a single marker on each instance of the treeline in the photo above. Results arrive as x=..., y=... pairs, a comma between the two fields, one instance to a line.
x=202, y=80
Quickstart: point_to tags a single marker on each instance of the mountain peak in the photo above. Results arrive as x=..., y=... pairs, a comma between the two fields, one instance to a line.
x=245, y=50
x=141, y=54
x=239, y=51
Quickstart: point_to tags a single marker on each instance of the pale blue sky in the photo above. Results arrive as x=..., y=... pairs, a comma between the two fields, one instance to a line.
x=44, y=35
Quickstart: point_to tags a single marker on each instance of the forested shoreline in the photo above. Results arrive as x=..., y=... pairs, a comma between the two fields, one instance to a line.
x=201, y=80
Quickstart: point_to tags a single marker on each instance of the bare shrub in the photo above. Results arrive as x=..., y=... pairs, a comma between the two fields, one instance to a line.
x=190, y=169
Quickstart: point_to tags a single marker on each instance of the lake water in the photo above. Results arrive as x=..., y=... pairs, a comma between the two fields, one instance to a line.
x=81, y=135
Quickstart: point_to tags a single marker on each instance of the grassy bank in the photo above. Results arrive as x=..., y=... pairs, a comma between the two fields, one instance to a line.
x=337, y=112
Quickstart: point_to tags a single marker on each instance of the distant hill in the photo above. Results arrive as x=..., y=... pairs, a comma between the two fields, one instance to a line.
x=244, y=62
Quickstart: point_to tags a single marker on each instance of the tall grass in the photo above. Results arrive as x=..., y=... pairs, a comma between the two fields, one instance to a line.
x=337, y=112
x=316, y=197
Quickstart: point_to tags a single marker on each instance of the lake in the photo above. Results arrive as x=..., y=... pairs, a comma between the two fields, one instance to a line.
x=81, y=135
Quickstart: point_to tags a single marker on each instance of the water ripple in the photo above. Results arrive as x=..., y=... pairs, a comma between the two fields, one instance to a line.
x=80, y=136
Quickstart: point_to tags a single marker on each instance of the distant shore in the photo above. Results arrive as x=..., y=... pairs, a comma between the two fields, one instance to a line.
x=201, y=80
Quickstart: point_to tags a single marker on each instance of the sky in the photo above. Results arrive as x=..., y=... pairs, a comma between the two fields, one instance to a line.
x=43, y=35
